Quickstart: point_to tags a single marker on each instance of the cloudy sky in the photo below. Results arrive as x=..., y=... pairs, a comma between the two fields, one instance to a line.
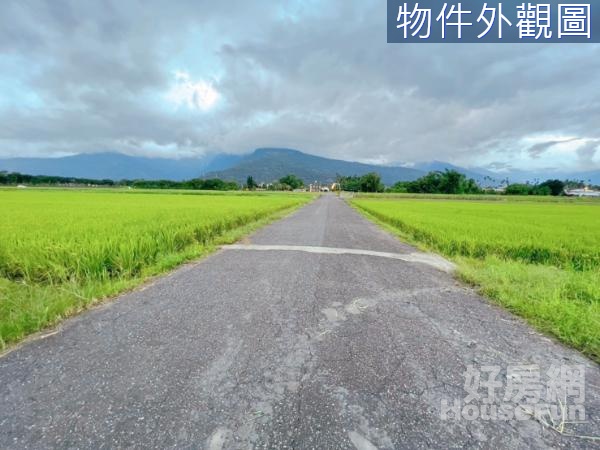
x=192, y=77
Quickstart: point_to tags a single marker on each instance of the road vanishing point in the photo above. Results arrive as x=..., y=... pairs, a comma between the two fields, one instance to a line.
x=320, y=331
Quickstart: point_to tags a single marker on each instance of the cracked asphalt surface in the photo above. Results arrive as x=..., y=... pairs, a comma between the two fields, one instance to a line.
x=282, y=349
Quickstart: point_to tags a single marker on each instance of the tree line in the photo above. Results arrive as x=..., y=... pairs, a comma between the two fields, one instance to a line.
x=287, y=183
x=216, y=184
x=446, y=182
x=451, y=182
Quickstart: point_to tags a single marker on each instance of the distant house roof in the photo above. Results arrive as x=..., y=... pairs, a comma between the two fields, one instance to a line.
x=585, y=192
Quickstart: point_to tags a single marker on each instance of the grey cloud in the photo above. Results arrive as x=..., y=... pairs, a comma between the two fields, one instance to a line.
x=320, y=80
x=499, y=166
x=537, y=150
x=587, y=152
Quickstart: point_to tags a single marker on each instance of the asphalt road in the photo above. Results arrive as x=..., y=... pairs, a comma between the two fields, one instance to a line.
x=278, y=344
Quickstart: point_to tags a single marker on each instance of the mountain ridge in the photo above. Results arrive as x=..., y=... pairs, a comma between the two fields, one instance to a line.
x=118, y=166
x=269, y=164
x=264, y=164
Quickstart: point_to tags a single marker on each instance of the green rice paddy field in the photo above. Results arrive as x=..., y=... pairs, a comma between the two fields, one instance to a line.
x=539, y=259
x=62, y=250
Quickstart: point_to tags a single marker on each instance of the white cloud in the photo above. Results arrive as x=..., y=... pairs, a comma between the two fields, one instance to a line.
x=196, y=95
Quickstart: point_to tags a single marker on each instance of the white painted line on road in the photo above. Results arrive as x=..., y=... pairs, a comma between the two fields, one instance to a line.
x=423, y=258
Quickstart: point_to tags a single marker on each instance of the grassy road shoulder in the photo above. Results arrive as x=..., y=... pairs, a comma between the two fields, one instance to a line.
x=540, y=261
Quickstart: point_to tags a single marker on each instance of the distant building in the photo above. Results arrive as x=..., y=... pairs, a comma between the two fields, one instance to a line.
x=314, y=187
x=585, y=192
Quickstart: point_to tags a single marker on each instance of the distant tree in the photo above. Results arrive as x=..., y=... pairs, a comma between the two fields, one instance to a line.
x=292, y=181
x=399, y=187
x=556, y=186
x=471, y=187
x=349, y=183
x=574, y=184
x=428, y=184
x=527, y=189
x=216, y=184
x=250, y=183
x=447, y=182
x=518, y=189
x=541, y=190
x=277, y=186
x=453, y=182
x=371, y=182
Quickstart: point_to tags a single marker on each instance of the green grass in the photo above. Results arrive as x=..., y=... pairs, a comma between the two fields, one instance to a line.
x=541, y=260
x=62, y=250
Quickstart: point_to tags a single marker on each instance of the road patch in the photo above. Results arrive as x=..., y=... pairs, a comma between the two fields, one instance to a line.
x=429, y=259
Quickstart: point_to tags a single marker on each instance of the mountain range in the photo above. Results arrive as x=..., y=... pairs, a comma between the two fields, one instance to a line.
x=117, y=166
x=264, y=165
x=268, y=164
